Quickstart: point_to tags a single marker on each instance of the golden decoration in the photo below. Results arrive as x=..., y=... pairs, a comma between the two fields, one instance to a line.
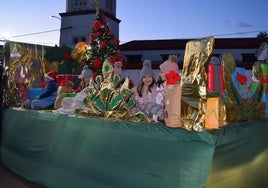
x=112, y=100
x=193, y=107
x=237, y=108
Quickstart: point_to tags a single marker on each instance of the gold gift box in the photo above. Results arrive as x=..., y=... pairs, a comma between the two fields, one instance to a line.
x=215, y=113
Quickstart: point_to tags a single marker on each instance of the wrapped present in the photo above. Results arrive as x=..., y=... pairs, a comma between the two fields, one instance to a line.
x=215, y=113
x=63, y=78
x=194, y=83
x=35, y=92
x=172, y=100
x=172, y=111
x=215, y=79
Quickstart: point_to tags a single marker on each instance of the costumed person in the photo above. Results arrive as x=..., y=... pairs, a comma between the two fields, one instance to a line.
x=156, y=110
x=37, y=76
x=118, y=68
x=118, y=71
x=145, y=92
x=85, y=77
x=65, y=90
x=70, y=104
x=21, y=77
x=48, y=97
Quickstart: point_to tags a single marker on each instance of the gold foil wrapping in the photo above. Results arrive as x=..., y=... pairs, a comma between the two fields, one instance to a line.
x=27, y=54
x=197, y=54
x=110, y=100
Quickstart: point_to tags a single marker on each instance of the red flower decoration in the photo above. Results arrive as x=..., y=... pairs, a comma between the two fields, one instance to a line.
x=97, y=34
x=116, y=41
x=103, y=18
x=97, y=63
x=118, y=55
x=172, y=78
x=112, y=60
x=96, y=25
x=103, y=44
x=242, y=79
x=91, y=39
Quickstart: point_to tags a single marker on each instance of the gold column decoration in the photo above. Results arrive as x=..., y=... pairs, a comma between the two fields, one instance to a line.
x=193, y=109
x=231, y=91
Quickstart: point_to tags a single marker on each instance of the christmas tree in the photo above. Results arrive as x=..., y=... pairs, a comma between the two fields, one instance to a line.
x=102, y=44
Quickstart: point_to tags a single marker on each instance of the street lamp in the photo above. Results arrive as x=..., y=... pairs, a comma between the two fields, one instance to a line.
x=55, y=17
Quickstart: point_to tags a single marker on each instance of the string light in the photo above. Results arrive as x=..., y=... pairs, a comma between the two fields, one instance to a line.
x=70, y=27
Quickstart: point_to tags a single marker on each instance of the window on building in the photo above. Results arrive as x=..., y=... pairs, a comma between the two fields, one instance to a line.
x=133, y=58
x=248, y=57
x=109, y=5
x=79, y=5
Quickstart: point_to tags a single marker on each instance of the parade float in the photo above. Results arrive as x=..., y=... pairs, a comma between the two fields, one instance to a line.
x=221, y=142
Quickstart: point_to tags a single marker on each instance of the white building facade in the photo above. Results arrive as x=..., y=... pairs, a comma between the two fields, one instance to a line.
x=77, y=21
x=157, y=51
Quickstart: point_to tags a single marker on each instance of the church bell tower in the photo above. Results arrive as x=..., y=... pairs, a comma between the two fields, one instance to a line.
x=77, y=21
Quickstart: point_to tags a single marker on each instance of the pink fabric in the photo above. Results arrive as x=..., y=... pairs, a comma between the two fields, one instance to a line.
x=159, y=99
x=168, y=66
x=21, y=76
x=146, y=96
x=118, y=68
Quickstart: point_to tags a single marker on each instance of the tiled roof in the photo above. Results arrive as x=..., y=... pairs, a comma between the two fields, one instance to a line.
x=171, y=44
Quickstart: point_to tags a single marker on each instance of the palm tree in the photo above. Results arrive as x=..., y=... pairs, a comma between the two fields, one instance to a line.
x=262, y=35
